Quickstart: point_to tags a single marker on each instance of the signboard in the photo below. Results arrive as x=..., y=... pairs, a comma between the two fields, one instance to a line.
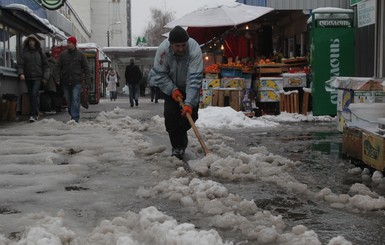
x=366, y=13
x=334, y=23
x=354, y=2
x=52, y=4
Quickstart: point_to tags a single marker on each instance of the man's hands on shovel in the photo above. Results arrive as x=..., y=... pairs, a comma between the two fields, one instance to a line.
x=178, y=97
x=187, y=112
x=176, y=94
x=186, y=109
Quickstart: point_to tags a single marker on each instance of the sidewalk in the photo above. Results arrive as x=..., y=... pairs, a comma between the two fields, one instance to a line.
x=145, y=110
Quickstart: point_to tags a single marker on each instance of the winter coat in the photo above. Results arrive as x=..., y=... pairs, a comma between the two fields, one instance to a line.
x=50, y=85
x=111, y=80
x=150, y=79
x=33, y=63
x=184, y=73
x=72, y=67
x=133, y=74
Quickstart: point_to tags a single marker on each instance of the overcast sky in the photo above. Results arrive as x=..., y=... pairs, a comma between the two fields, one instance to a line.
x=141, y=10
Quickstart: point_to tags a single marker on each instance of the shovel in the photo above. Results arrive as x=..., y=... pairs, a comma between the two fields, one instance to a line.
x=191, y=121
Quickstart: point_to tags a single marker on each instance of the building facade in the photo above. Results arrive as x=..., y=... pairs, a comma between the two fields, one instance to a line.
x=107, y=21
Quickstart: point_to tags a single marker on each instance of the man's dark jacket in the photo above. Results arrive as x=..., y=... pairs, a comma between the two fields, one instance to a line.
x=72, y=67
x=133, y=74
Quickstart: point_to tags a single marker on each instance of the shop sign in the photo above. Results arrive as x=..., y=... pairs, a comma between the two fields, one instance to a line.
x=334, y=23
x=52, y=4
x=354, y=2
x=366, y=13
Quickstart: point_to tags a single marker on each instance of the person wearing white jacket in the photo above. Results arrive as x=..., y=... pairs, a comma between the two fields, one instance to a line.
x=112, y=80
x=178, y=72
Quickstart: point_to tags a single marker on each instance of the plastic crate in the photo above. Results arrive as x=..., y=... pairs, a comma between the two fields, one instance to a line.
x=231, y=72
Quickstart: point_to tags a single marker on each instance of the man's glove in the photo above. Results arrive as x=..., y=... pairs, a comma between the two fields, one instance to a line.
x=175, y=94
x=186, y=109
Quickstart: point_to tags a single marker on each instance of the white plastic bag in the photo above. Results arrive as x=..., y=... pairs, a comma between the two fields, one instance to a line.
x=125, y=90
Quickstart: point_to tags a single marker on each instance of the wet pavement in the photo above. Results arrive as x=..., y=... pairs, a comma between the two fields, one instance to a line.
x=316, y=145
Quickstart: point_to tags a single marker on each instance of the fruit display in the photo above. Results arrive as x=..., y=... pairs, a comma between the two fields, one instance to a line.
x=212, y=68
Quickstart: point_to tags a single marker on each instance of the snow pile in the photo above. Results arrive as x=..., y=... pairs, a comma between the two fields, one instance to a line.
x=149, y=226
x=226, y=117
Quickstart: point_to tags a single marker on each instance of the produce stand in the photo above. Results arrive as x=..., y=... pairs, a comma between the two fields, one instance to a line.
x=272, y=87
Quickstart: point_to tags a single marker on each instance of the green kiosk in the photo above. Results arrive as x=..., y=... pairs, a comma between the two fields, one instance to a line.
x=331, y=55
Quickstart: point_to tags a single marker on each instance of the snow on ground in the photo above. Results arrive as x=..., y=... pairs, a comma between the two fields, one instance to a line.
x=38, y=160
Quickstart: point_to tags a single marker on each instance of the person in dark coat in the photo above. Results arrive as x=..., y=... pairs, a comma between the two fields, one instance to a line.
x=73, y=72
x=133, y=75
x=33, y=69
x=155, y=92
x=50, y=87
x=143, y=85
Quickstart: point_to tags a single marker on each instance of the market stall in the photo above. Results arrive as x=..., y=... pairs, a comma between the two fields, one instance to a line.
x=239, y=60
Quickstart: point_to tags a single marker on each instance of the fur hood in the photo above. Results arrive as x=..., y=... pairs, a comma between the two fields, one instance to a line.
x=25, y=43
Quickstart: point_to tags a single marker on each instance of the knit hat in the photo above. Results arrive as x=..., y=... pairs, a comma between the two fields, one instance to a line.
x=72, y=39
x=178, y=35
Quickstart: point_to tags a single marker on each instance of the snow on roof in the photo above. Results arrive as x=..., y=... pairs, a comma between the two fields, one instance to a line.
x=26, y=9
x=332, y=10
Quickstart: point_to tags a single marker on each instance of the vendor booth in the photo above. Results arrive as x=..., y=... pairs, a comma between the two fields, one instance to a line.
x=247, y=66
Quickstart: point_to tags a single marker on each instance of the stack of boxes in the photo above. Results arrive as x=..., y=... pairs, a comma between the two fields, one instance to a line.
x=224, y=91
x=210, y=82
x=268, y=89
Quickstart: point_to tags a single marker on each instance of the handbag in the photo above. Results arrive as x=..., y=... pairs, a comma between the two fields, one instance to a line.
x=117, y=84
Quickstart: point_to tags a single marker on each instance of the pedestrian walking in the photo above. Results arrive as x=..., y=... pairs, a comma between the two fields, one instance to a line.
x=133, y=75
x=143, y=84
x=34, y=70
x=112, y=81
x=155, y=91
x=178, y=72
x=50, y=88
x=73, y=72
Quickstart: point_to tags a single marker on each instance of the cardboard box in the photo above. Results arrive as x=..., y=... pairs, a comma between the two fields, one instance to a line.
x=212, y=75
x=344, y=98
x=205, y=98
x=211, y=83
x=294, y=80
x=227, y=97
x=269, y=83
x=236, y=82
x=352, y=142
x=268, y=96
x=373, y=150
x=369, y=97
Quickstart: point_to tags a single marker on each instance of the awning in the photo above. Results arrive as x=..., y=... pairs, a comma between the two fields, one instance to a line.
x=26, y=15
x=230, y=14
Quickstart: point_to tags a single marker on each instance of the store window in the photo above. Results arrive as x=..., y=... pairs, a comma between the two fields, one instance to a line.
x=8, y=46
